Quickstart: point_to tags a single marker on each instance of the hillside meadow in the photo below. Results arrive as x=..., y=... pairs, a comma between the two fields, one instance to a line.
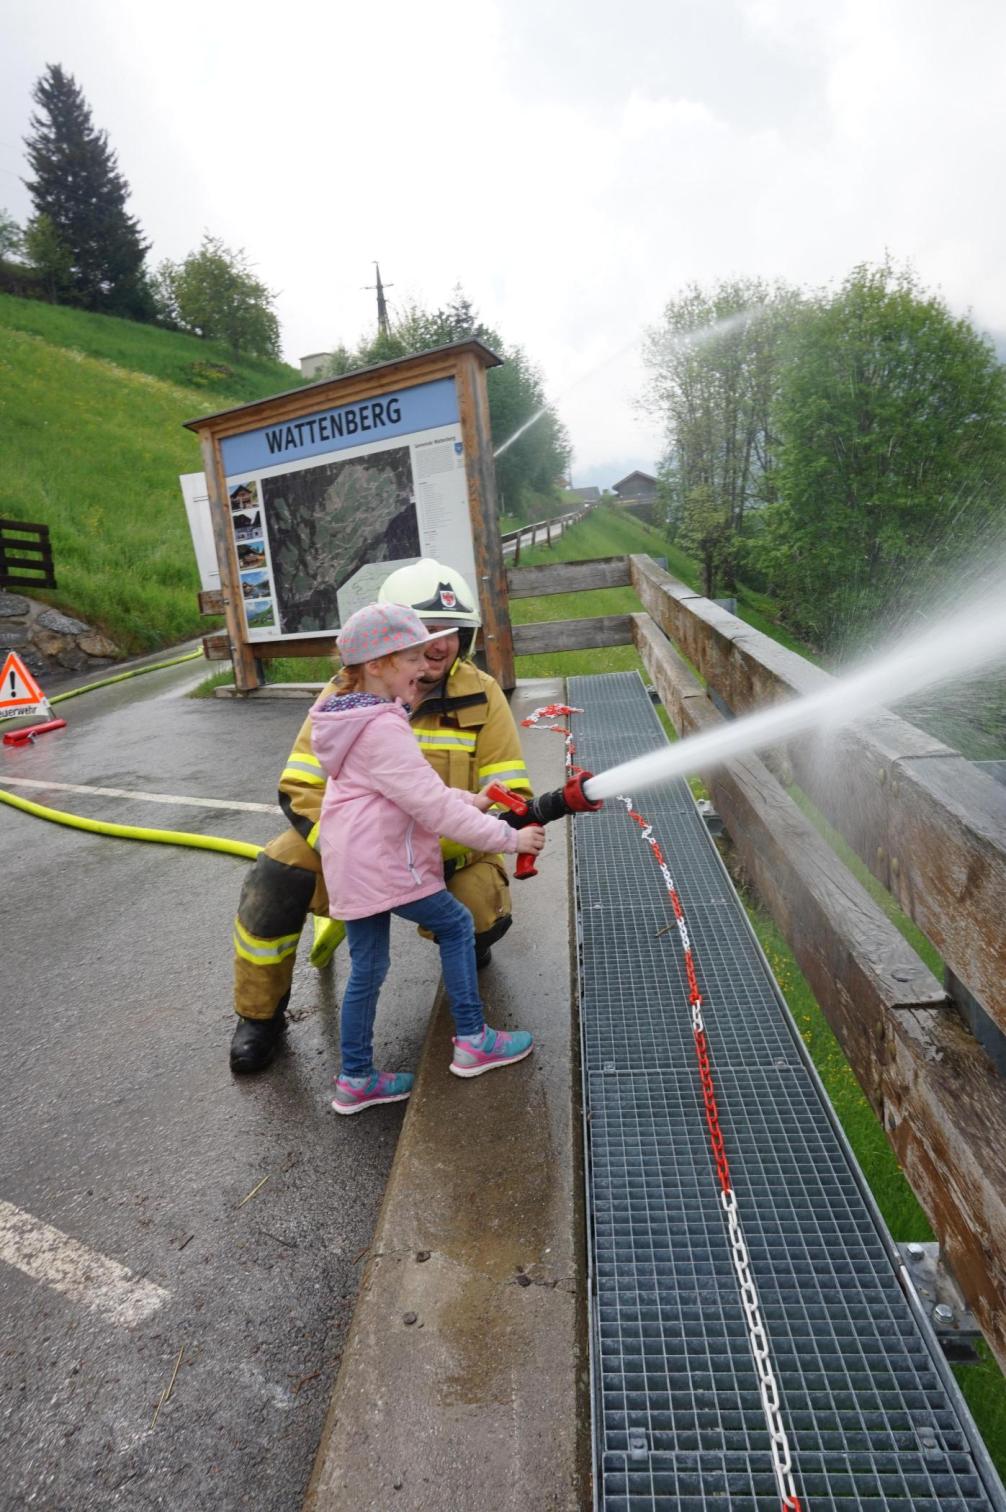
x=91, y=444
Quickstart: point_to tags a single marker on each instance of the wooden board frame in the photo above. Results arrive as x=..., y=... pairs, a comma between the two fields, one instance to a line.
x=466, y=363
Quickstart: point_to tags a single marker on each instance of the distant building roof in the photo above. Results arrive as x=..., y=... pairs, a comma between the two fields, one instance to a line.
x=633, y=478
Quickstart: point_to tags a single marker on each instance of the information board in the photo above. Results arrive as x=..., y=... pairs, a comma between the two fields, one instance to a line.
x=323, y=507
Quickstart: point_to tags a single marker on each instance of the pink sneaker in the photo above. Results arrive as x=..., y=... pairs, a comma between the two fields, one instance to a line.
x=498, y=1048
x=381, y=1087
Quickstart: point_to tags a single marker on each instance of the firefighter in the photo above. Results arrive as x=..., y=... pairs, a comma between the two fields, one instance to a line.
x=466, y=732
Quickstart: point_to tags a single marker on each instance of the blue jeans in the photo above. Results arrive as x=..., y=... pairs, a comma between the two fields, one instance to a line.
x=370, y=958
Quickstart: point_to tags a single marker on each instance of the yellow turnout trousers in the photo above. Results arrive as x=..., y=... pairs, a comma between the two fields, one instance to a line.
x=285, y=886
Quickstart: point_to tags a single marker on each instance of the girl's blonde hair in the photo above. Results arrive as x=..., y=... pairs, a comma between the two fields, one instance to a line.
x=350, y=679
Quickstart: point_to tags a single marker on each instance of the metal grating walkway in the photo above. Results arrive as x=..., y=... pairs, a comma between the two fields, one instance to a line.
x=872, y=1412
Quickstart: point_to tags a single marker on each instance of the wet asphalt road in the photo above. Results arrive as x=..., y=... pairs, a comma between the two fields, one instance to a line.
x=124, y=1129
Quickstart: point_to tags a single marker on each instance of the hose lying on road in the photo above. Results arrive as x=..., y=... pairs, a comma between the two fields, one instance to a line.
x=130, y=831
x=328, y=933
x=121, y=676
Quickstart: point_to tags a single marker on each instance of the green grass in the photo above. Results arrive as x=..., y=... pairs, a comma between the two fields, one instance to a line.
x=983, y=1385
x=91, y=444
x=282, y=669
x=610, y=532
x=204, y=367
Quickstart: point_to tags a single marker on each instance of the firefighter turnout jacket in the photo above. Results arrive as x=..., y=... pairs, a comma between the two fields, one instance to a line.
x=467, y=733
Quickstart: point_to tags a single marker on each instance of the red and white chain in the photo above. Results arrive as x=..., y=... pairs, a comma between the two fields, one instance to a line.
x=782, y=1461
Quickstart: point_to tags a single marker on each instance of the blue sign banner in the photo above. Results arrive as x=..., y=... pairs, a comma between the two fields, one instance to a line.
x=421, y=408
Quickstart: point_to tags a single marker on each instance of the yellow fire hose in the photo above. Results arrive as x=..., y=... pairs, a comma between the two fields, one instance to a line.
x=328, y=933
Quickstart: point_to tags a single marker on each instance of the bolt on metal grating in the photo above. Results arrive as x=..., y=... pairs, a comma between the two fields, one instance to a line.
x=873, y=1416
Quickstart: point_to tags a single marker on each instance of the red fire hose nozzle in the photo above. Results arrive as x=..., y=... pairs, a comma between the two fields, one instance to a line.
x=570, y=799
x=576, y=799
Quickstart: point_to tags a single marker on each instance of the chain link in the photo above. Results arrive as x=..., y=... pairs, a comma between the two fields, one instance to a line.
x=782, y=1463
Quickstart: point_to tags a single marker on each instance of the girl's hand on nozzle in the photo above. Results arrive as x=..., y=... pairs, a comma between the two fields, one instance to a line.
x=482, y=801
x=531, y=840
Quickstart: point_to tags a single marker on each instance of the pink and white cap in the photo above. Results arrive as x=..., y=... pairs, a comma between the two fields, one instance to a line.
x=381, y=630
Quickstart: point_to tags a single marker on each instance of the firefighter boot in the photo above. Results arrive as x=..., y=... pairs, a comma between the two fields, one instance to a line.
x=255, y=1041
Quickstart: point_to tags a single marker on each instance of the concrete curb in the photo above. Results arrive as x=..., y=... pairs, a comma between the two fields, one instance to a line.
x=463, y=1382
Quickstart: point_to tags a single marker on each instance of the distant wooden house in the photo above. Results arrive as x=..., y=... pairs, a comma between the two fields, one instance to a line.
x=638, y=494
x=586, y=495
x=636, y=488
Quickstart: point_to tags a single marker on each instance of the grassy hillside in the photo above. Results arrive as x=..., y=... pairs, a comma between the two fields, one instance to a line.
x=202, y=366
x=91, y=444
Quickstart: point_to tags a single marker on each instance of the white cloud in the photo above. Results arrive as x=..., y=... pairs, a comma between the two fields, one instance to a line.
x=573, y=167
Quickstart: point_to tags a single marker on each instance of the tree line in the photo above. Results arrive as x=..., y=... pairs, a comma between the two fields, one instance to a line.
x=82, y=247
x=531, y=467
x=834, y=448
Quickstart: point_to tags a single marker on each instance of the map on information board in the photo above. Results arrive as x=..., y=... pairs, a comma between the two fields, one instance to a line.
x=325, y=522
x=317, y=504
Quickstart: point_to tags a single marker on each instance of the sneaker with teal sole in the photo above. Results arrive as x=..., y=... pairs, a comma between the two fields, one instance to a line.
x=498, y=1048
x=380, y=1087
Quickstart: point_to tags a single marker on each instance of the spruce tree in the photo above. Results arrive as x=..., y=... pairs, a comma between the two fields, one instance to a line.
x=77, y=186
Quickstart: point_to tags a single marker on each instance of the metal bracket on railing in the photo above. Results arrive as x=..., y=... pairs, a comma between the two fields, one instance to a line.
x=941, y=1299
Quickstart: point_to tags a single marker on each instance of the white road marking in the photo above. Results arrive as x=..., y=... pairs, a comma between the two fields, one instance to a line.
x=101, y=792
x=79, y=1273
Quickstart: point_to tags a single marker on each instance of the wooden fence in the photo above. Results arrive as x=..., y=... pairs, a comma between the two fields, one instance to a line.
x=551, y=528
x=25, y=556
x=929, y=824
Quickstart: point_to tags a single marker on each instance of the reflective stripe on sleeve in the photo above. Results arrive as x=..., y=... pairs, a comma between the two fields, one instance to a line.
x=513, y=773
x=261, y=952
x=312, y=835
x=304, y=768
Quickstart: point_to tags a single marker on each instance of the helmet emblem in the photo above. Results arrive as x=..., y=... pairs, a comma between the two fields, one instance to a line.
x=444, y=598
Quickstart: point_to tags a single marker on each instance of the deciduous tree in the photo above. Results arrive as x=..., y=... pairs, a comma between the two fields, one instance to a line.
x=892, y=429
x=11, y=237
x=50, y=261
x=531, y=464
x=214, y=293
x=714, y=364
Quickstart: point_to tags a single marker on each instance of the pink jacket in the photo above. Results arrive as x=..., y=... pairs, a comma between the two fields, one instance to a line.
x=384, y=811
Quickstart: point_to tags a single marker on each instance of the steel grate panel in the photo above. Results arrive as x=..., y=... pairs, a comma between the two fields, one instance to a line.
x=872, y=1421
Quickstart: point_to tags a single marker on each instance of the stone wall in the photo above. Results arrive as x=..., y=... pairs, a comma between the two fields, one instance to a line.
x=48, y=642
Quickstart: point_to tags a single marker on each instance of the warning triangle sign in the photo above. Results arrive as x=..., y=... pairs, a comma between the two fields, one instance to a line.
x=19, y=692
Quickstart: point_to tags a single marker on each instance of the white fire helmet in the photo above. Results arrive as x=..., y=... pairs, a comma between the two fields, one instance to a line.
x=438, y=594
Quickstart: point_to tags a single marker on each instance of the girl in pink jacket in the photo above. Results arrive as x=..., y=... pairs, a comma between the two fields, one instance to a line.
x=383, y=814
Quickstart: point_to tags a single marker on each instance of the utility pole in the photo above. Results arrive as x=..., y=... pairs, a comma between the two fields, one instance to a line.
x=383, y=328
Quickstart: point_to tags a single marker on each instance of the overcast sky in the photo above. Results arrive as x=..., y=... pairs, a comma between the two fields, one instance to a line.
x=572, y=163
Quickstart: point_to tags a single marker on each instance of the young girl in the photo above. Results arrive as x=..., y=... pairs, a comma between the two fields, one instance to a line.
x=382, y=816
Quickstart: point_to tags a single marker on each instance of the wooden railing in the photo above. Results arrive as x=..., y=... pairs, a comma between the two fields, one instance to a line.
x=550, y=527
x=929, y=824
x=25, y=556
